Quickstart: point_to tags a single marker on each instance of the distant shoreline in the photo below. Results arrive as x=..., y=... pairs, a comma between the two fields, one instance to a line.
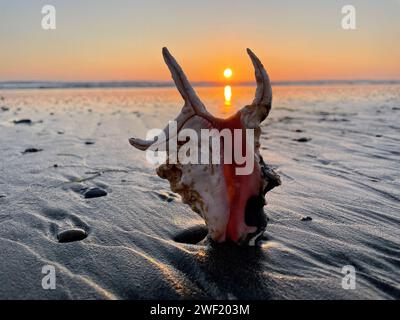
x=157, y=84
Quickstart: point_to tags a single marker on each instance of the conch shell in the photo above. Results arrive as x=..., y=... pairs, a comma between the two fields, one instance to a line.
x=229, y=200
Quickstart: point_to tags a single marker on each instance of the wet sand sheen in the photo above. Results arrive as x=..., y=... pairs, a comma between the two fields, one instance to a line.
x=336, y=149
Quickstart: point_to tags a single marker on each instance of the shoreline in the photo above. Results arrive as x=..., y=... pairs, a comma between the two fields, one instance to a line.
x=15, y=85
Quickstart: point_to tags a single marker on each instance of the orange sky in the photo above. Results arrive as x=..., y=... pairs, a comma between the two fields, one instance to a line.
x=122, y=40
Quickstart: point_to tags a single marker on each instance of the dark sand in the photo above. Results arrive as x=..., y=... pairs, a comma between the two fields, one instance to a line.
x=336, y=149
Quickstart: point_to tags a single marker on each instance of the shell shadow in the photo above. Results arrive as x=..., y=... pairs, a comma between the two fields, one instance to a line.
x=238, y=271
x=231, y=271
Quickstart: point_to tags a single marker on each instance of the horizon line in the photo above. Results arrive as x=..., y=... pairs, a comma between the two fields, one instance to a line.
x=43, y=84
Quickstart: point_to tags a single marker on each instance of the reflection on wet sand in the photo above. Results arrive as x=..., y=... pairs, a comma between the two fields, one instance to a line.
x=345, y=178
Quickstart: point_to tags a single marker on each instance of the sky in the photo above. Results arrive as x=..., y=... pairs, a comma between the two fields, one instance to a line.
x=121, y=40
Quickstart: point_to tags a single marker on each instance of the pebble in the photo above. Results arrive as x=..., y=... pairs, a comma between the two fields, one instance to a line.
x=164, y=197
x=70, y=235
x=4, y=108
x=32, y=150
x=23, y=121
x=95, y=193
x=193, y=235
x=306, y=219
x=89, y=142
x=303, y=140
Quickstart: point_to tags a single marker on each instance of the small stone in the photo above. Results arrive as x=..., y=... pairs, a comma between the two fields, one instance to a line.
x=89, y=142
x=193, y=235
x=306, y=219
x=55, y=165
x=32, y=150
x=299, y=130
x=23, y=121
x=95, y=193
x=70, y=235
x=60, y=132
x=303, y=139
x=4, y=108
x=378, y=136
x=164, y=197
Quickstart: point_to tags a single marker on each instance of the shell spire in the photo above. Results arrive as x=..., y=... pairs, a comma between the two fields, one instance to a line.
x=263, y=96
x=193, y=105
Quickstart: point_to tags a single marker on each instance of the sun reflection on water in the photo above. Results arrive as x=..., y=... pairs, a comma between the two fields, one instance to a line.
x=228, y=95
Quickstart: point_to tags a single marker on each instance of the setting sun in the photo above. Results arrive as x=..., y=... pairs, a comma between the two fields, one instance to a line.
x=228, y=73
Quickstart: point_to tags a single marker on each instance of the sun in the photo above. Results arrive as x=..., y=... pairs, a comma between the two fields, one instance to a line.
x=228, y=73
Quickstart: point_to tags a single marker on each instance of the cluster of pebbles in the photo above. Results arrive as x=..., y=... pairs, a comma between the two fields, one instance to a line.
x=77, y=234
x=70, y=234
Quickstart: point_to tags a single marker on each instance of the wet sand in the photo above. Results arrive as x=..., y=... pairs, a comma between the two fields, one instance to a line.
x=335, y=147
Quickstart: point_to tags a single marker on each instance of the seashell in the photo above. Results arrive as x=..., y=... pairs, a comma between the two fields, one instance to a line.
x=226, y=192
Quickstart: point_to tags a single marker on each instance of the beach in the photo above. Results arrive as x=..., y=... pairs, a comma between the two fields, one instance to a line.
x=335, y=146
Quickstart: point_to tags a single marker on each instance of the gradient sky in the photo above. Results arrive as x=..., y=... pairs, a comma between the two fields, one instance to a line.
x=122, y=40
